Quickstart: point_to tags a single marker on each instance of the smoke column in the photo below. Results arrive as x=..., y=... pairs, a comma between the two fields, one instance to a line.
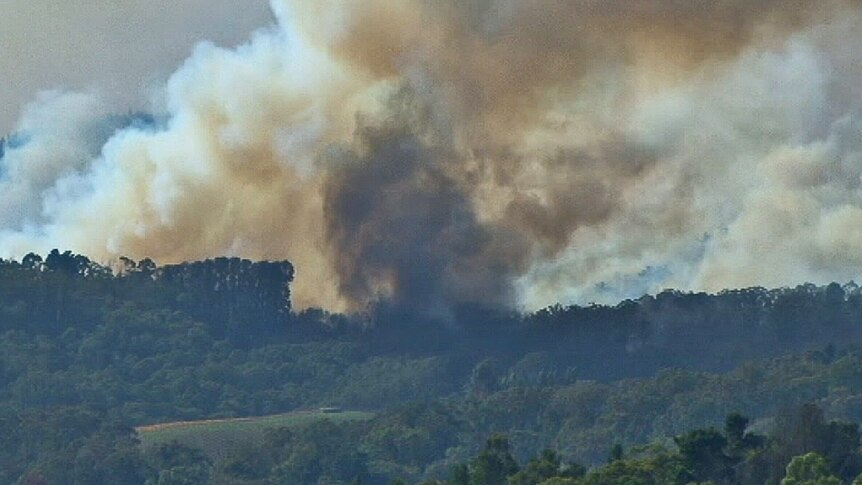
x=489, y=151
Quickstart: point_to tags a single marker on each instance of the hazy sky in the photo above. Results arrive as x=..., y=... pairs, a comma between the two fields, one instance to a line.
x=118, y=47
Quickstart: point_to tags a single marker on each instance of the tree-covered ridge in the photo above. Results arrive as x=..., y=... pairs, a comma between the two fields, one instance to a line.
x=802, y=448
x=74, y=445
x=251, y=301
x=235, y=297
x=135, y=343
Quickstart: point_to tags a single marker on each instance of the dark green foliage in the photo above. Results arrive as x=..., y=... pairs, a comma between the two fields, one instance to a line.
x=319, y=451
x=460, y=475
x=175, y=464
x=805, y=430
x=740, y=441
x=494, y=464
x=616, y=453
x=69, y=445
x=483, y=380
x=401, y=441
x=809, y=469
x=660, y=469
x=87, y=351
x=547, y=465
x=703, y=454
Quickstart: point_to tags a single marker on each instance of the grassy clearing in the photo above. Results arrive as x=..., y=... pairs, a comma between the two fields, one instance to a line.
x=217, y=437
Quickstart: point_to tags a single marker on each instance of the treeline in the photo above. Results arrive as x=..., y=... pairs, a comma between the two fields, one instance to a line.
x=78, y=446
x=248, y=303
x=802, y=448
x=237, y=299
x=140, y=368
x=107, y=347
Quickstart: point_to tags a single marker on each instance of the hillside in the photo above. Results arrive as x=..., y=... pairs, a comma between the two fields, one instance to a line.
x=218, y=438
x=88, y=353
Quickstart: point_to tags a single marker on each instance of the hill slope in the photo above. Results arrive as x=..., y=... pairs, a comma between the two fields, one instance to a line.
x=217, y=438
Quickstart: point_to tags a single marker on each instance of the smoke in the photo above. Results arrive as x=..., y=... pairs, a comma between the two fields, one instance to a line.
x=490, y=151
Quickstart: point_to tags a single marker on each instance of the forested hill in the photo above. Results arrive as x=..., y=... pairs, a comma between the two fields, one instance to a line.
x=236, y=299
x=248, y=305
x=87, y=352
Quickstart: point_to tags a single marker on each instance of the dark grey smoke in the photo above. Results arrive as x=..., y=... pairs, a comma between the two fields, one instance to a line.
x=400, y=226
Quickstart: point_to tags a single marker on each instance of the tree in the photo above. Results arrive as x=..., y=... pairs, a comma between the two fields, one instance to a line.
x=806, y=430
x=702, y=451
x=180, y=465
x=616, y=453
x=494, y=464
x=32, y=261
x=739, y=442
x=483, y=380
x=560, y=481
x=544, y=467
x=460, y=475
x=659, y=469
x=734, y=428
x=809, y=469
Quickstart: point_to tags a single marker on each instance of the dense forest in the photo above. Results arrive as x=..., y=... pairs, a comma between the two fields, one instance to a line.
x=744, y=386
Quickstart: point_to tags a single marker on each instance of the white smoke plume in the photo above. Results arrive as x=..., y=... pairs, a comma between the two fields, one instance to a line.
x=490, y=151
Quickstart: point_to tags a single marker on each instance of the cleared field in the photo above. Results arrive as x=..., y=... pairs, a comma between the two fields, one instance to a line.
x=217, y=437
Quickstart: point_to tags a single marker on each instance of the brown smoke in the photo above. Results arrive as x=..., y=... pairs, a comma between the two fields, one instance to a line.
x=491, y=151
